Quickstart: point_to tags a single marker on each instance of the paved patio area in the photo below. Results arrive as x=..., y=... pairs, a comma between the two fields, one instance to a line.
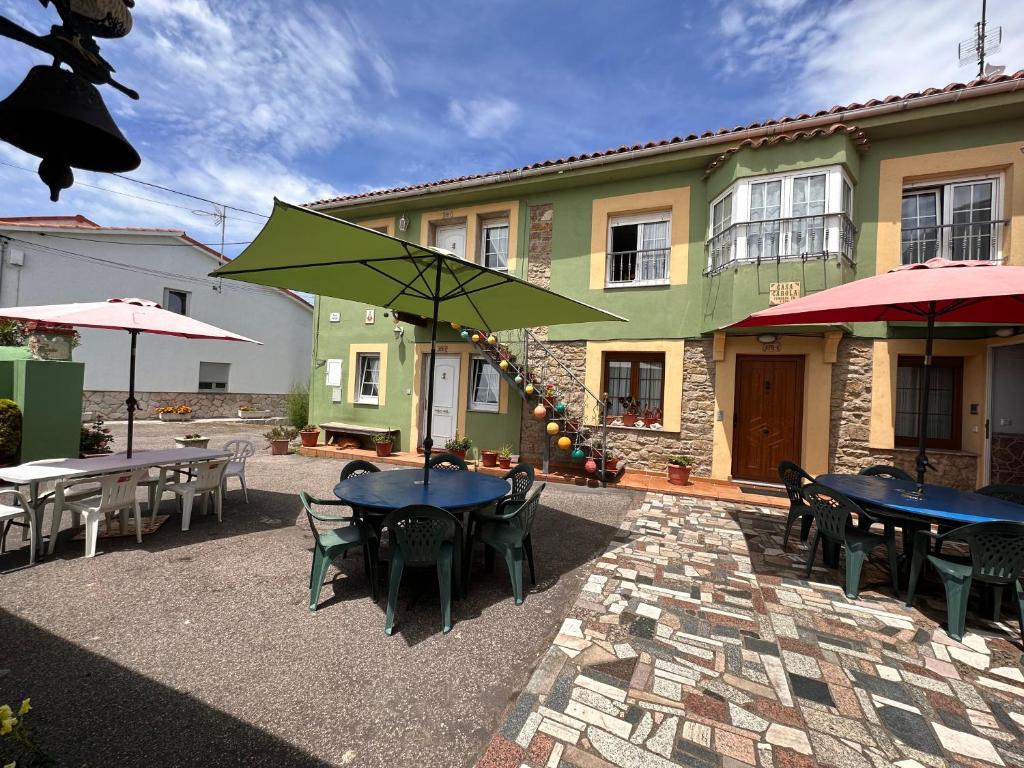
x=198, y=648
x=695, y=642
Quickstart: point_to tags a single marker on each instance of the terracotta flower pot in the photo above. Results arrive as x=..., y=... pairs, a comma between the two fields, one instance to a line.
x=460, y=454
x=309, y=437
x=628, y=419
x=610, y=464
x=504, y=462
x=383, y=449
x=678, y=475
x=489, y=458
x=279, y=447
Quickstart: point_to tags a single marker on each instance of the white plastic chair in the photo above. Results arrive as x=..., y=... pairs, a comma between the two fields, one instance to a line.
x=117, y=494
x=240, y=451
x=11, y=514
x=207, y=480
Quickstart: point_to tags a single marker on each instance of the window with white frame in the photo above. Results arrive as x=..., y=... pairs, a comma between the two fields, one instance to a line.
x=794, y=215
x=958, y=219
x=638, y=249
x=213, y=377
x=494, y=244
x=483, y=386
x=368, y=378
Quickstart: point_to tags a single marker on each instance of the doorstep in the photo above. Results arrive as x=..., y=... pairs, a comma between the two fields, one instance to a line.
x=634, y=480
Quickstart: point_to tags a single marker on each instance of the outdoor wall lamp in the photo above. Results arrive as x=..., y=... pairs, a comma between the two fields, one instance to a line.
x=399, y=332
x=1005, y=332
x=403, y=223
x=767, y=338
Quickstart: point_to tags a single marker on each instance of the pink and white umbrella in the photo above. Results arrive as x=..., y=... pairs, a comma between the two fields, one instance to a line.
x=133, y=315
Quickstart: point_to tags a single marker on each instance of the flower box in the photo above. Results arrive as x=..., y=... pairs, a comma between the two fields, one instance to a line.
x=175, y=417
x=253, y=414
x=192, y=442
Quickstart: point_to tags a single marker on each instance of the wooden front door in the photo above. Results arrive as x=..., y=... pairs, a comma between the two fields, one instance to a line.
x=768, y=415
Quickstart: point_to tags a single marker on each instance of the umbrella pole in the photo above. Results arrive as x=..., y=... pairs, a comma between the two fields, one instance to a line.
x=131, y=402
x=428, y=441
x=922, y=403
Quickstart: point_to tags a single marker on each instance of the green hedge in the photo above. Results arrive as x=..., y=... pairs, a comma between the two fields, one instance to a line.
x=10, y=431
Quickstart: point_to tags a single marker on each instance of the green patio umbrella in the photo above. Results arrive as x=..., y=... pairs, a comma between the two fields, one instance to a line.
x=305, y=250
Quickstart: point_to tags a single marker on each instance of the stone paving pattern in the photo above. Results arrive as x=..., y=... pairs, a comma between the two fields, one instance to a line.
x=696, y=642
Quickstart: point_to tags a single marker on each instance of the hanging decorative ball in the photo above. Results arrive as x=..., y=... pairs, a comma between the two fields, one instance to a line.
x=503, y=365
x=528, y=389
x=464, y=334
x=456, y=326
x=492, y=340
x=540, y=412
x=553, y=427
x=559, y=407
x=578, y=454
x=519, y=379
x=564, y=442
x=590, y=466
x=476, y=337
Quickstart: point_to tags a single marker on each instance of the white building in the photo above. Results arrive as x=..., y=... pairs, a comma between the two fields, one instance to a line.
x=62, y=259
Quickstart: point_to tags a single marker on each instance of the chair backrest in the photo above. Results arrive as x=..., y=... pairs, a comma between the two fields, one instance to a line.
x=793, y=476
x=448, y=462
x=527, y=511
x=1004, y=491
x=356, y=468
x=117, y=489
x=209, y=474
x=240, y=449
x=886, y=472
x=308, y=503
x=997, y=550
x=419, y=531
x=520, y=480
x=831, y=510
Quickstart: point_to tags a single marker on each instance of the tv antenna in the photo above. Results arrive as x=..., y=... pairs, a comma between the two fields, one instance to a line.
x=984, y=42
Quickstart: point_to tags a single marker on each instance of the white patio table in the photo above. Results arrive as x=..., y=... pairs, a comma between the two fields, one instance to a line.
x=64, y=471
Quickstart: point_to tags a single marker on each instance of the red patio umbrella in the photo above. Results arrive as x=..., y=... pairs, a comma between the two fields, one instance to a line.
x=133, y=315
x=939, y=290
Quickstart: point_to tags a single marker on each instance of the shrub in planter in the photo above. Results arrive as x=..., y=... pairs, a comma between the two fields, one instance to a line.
x=383, y=443
x=297, y=405
x=309, y=434
x=458, y=446
x=279, y=438
x=192, y=440
x=505, y=456
x=95, y=439
x=10, y=431
x=180, y=412
x=679, y=470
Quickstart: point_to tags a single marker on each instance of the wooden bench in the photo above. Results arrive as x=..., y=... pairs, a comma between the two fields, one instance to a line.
x=350, y=435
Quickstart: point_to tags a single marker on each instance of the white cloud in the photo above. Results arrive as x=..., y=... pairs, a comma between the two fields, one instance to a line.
x=483, y=118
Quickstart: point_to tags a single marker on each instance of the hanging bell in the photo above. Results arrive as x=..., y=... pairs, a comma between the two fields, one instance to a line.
x=60, y=117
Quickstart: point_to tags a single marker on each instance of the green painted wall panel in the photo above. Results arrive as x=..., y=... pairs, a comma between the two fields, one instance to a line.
x=50, y=396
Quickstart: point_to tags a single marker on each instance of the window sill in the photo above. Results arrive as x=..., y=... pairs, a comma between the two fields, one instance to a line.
x=373, y=403
x=936, y=451
x=647, y=430
x=639, y=284
x=477, y=409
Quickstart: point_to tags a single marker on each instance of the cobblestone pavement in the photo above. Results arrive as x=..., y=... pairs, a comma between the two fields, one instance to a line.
x=696, y=642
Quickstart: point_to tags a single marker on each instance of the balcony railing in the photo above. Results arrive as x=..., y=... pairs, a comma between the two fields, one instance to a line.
x=631, y=268
x=980, y=240
x=822, y=236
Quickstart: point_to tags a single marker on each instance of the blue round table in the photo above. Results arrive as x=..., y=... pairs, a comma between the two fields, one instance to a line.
x=938, y=503
x=452, y=490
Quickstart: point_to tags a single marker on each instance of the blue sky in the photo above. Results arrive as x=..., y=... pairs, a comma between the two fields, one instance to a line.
x=300, y=99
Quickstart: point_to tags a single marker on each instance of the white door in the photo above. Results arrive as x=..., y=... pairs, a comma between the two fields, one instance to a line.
x=452, y=238
x=445, y=421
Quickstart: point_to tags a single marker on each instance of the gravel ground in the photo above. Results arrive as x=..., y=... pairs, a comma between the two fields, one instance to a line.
x=198, y=647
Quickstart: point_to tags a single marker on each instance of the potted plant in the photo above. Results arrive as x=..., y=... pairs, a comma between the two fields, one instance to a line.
x=458, y=446
x=505, y=456
x=679, y=470
x=549, y=395
x=180, y=412
x=279, y=439
x=252, y=412
x=192, y=440
x=309, y=434
x=631, y=412
x=383, y=443
x=597, y=450
x=95, y=439
x=489, y=458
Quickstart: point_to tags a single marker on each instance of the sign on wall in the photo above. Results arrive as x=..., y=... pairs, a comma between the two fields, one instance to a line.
x=335, y=317
x=369, y=317
x=780, y=293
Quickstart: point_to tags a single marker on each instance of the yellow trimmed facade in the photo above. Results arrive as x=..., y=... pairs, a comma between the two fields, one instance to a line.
x=673, y=379
x=354, y=350
x=473, y=216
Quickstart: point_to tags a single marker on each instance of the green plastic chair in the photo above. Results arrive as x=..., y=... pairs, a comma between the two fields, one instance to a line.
x=793, y=476
x=423, y=536
x=328, y=545
x=448, y=462
x=355, y=468
x=886, y=472
x=508, y=532
x=833, y=519
x=996, y=559
x=1004, y=491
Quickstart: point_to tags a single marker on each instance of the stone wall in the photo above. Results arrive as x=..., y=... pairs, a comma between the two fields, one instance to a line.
x=850, y=425
x=205, y=405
